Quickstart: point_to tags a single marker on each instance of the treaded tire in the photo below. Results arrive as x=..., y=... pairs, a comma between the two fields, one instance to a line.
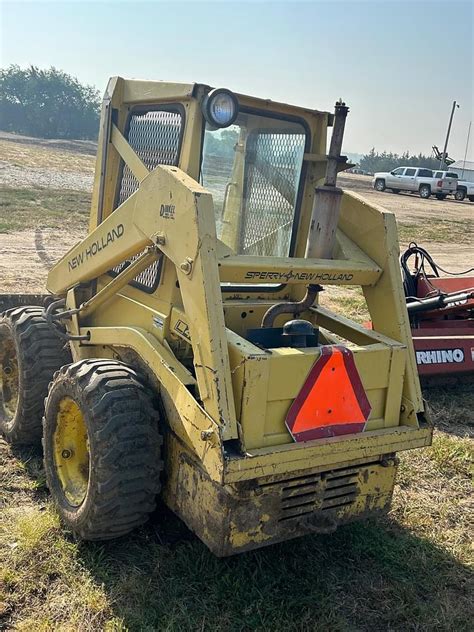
x=124, y=448
x=379, y=185
x=425, y=191
x=460, y=195
x=29, y=343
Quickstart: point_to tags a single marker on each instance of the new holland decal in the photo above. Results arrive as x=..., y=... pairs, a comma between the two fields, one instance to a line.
x=298, y=276
x=96, y=246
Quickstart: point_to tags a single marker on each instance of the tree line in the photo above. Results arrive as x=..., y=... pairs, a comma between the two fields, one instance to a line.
x=386, y=161
x=47, y=104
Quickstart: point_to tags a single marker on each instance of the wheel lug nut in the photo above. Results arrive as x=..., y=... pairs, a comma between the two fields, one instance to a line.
x=66, y=454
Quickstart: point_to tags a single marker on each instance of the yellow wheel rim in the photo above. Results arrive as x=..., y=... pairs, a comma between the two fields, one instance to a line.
x=71, y=451
x=9, y=380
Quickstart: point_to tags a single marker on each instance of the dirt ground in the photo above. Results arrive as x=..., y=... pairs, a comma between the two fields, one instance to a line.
x=410, y=209
x=33, y=163
x=411, y=571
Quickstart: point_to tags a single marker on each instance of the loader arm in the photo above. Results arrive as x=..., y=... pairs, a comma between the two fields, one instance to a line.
x=172, y=210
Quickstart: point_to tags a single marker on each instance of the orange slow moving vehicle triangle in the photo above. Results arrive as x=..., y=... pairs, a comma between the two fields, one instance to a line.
x=332, y=401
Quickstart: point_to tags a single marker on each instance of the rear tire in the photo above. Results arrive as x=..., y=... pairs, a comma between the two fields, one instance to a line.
x=470, y=198
x=395, y=190
x=102, y=448
x=440, y=196
x=30, y=353
x=425, y=191
x=460, y=195
x=379, y=185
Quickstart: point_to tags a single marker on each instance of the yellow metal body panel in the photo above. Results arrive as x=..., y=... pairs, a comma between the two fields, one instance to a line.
x=225, y=398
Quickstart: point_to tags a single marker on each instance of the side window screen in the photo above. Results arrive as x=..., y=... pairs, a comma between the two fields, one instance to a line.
x=272, y=179
x=155, y=136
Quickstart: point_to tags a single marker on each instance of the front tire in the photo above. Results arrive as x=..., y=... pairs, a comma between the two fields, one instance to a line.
x=102, y=448
x=379, y=185
x=30, y=353
x=425, y=191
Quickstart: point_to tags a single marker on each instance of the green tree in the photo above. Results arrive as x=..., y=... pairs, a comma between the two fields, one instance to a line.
x=47, y=104
x=373, y=161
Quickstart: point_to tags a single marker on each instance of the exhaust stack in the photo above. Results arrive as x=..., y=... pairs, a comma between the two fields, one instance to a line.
x=327, y=199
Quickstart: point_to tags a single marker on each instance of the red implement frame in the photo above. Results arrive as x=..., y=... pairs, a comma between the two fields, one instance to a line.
x=444, y=337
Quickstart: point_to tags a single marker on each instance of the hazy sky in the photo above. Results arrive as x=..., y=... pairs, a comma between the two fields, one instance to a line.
x=399, y=65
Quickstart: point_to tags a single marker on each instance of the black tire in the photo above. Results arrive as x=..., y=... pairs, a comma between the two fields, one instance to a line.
x=395, y=190
x=379, y=185
x=470, y=198
x=122, y=472
x=425, y=191
x=440, y=196
x=30, y=354
x=460, y=195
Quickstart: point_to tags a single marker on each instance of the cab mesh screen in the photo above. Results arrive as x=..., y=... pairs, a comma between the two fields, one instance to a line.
x=155, y=137
x=273, y=168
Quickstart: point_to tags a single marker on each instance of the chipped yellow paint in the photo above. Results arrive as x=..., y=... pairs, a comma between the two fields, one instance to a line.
x=226, y=399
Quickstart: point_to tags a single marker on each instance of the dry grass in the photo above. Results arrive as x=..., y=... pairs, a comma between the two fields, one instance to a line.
x=22, y=209
x=435, y=229
x=412, y=571
x=37, y=155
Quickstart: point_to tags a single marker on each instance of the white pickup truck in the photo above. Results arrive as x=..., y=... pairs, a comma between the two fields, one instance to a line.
x=465, y=189
x=415, y=179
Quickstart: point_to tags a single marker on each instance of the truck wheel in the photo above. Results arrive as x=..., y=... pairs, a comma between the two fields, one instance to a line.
x=425, y=191
x=470, y=198
x=102, y=448
x=395, y=190
x=440, y=196
x=379, y=184
x=460, y=195
x=30, y=353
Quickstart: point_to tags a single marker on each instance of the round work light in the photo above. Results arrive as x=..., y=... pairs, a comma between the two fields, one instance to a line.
x=220, y=107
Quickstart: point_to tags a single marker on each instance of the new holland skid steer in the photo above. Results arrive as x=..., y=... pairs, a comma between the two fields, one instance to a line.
x=186, y=344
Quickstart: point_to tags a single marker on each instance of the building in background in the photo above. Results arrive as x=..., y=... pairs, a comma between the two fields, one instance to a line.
x=464, y=169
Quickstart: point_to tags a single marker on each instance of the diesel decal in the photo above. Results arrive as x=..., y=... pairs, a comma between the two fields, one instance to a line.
x=298, y=276
x=96, y=247
x=167, y=211
x=440, y=356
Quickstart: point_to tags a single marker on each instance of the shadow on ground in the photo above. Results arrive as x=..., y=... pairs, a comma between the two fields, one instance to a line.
x=366, y=576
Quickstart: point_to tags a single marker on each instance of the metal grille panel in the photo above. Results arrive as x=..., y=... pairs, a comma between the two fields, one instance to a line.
x=274, y=166
x=155, y=137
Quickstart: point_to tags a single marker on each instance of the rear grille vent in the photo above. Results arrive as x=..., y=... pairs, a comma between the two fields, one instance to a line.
x=318, y=492
x=341, y=489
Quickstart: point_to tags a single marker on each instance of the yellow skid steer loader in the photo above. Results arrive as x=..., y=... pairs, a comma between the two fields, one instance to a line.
x=185, y=342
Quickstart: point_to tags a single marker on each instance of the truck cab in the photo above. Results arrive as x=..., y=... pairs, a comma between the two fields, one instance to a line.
x=416, y=179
